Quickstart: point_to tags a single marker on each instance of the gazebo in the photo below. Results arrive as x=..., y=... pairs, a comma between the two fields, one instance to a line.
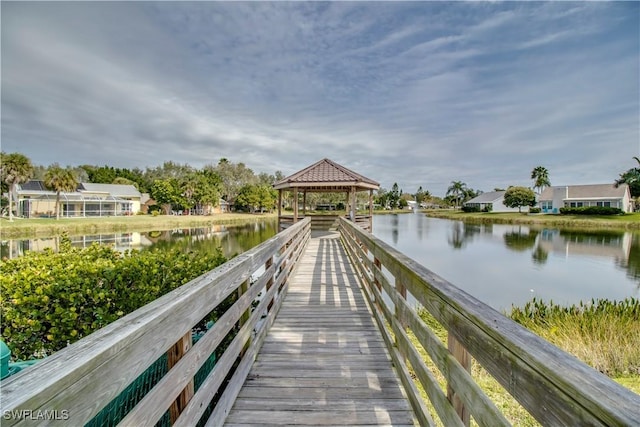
x=323, y=177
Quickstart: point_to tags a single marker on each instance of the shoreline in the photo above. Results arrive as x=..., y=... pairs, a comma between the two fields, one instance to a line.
x=629, y=222
x=38, y=228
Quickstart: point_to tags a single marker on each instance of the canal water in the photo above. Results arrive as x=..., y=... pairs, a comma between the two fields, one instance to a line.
x=499, y=264
x=233, y=240
x=510, y=264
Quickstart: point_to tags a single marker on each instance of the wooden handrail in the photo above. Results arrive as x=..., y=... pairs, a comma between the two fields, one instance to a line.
x=80, y=380
x=552, y=385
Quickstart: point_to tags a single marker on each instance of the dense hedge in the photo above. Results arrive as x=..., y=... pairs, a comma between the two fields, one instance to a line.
x=48, y=299
x=591, y=210
x=467, y=208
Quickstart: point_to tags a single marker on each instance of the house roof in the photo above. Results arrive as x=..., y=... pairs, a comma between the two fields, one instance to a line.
x=488, y=197
x=33, y=185
x=326, y=175
x=582, y=192
x=117, y=190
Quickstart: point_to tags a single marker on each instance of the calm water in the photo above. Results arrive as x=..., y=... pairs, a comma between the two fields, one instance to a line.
x=232, y=239
x=498, y=264
x=510, y=264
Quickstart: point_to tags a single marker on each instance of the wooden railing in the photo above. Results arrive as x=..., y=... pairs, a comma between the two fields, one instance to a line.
x=326, y=221
x=553, y=386
x=76, y=383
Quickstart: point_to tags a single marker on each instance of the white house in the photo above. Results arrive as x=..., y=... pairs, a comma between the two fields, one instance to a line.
x=492, y=201
x=35, y=200
x=576, y=196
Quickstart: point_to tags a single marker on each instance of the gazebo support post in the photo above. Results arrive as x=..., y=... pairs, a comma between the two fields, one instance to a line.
x=295, y=204
x=370, y=211
x=304, y=203
x=352, y=212
x=279, y=210
x=346, y=203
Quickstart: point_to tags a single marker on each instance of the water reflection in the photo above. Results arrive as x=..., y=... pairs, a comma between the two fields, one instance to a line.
x=540, y=242
x=504, y=264
x=231, y=239
x=462, y=233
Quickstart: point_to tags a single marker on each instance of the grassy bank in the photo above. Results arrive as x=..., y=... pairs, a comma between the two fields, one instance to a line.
x=31, y=228
x=603, y=334
x=627, y=221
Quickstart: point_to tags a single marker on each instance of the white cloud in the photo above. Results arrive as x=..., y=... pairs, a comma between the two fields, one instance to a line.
x=414, y=93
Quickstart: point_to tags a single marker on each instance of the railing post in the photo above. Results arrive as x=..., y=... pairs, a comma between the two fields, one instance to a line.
x=402, y=291
x=267, y=266
x=174, y=354
x=462, y=356
x=378, y=264
x=244, y=317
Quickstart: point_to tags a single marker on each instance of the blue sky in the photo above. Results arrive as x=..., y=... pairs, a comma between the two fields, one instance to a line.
x=418, y=93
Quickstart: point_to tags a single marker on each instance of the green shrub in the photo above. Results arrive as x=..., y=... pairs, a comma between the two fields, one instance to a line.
x=534, y=210
x=467, y=208
x=591, y=210
x=602, y=333
x=48, y=299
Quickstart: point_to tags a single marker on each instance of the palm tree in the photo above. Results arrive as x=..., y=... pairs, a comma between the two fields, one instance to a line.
x=59, y=180
x=457, y=189
x=540, y=176
x=15, y=168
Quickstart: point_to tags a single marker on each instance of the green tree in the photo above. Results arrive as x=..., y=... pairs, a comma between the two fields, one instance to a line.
x=540, y=176
x=124, y=181
x=517, y=197
x=248, y=198
x=632, y=178
x=234, y=177
x=167, y=193
x=207, y=190
x=393, y=197
x=421, y=195
x=267, y=197
x=457, y=190
x=381, y=197
x=15, y=168
x=470, y=193
x=60, y=179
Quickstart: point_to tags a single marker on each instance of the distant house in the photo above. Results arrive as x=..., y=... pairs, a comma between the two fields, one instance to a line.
x=123, y=199
x=146, y=202
x=575, y=196
x=222, y=207
x=35, y=200
x=492, y=201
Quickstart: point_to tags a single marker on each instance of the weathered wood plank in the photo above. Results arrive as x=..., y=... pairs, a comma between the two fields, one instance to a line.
x=552, y=385
x=80, y=378
x=376, y=416
x=296, y=403
x=324, y=347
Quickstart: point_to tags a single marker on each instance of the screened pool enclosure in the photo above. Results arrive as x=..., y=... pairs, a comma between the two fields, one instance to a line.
x=74, y=205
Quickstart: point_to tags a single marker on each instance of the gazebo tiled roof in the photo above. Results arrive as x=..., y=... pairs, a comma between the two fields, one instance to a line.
x=326, y=175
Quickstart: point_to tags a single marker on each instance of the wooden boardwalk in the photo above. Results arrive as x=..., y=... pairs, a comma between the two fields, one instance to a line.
x=324, y=361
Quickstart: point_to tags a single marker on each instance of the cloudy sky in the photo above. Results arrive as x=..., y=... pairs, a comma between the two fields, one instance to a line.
x=418, y=93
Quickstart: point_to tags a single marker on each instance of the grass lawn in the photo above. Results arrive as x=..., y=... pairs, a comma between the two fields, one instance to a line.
x=40, y=227
x=626, y=221
x=585, y=336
